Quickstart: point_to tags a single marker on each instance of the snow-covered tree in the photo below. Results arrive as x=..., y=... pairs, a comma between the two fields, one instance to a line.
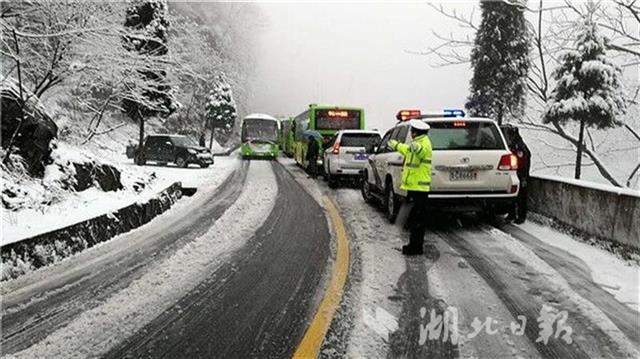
x=147, y=20
x=45, y=34
x=221, y=110
x=588, y=89
x=553, y=28
x=500, y=62
x=196, y=73
x=103, y=69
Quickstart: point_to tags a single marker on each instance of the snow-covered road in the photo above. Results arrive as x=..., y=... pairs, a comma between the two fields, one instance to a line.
x=45, y=300
x=233, y=256
x=238, y=270
x=495, y=277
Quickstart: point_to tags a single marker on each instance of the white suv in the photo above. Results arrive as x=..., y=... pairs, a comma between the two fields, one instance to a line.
x=345, y=154
x=472, y=167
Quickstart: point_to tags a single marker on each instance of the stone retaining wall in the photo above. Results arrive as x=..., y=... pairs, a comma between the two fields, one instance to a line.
x=44, y=249
x=612, y=215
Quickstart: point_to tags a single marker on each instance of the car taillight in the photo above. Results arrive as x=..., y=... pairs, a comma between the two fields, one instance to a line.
x=336, y=148
x=508, y=162
x=514, y=189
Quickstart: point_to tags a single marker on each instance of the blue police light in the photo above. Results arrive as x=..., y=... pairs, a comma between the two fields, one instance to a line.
x=453, y=113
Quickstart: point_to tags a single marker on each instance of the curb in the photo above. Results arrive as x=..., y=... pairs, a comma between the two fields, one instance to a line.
x=44, y=249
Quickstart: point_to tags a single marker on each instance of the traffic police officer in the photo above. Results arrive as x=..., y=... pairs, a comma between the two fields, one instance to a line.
x=416, y=180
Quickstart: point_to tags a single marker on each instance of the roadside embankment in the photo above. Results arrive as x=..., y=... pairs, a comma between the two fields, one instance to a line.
x=47, y=248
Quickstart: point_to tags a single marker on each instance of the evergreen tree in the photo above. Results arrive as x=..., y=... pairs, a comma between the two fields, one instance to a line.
x=588, y=88
x=500, y=63
x=221, y=110
x=147, y=23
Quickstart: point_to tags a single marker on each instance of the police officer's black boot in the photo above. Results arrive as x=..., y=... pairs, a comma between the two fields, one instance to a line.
x=415, y=243
x=409, y=250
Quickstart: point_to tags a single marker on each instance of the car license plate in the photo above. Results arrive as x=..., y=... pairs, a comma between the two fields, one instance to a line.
x=462, y=176
x=360, y=157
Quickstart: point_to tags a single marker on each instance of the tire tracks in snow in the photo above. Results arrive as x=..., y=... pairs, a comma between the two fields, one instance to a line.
x=43, y=301
x=388, y=287
x=579, y=278
x=414, y=287
x=524, y=283
x=99, y=329
x=259, y=302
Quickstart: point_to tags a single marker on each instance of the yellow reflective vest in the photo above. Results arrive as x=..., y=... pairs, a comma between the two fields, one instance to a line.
x=416, y=173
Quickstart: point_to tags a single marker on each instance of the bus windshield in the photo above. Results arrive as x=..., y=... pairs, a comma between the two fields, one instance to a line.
x=259, y=130
x=337, y=119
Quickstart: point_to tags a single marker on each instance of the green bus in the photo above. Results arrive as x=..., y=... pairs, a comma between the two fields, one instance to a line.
x=327, y=120
x=259, y=136
x=286, y=136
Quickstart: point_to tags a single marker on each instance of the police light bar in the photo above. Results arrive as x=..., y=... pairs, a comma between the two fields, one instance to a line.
x=405, y=115
x=453, y=113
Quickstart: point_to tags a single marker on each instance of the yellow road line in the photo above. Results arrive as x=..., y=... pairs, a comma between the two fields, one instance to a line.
x=309, y=347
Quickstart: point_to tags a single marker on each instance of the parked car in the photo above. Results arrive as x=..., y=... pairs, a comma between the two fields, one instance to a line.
x=345, y=154
x=178, y=149
x=472, y=167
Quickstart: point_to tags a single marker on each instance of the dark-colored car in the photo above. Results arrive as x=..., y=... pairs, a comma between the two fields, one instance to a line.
x=178, y=149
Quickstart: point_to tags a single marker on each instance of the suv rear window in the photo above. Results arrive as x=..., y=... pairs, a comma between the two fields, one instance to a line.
x=462, y=135
x=183, y=141
x=359, y=139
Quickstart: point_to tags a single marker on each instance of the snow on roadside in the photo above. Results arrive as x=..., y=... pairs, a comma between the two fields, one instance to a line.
x=119, y=245
x=80, y=206
x=616, y=276
x=375, y=318
x=373, y=300
x=192, y=176
x=96, y=331
x=217, y=148
x=584, y=306
x=592, y=185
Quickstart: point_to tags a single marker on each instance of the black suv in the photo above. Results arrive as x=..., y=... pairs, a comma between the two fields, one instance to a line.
x=172, y=148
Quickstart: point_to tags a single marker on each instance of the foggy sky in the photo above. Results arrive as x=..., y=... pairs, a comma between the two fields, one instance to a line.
x=353, y=54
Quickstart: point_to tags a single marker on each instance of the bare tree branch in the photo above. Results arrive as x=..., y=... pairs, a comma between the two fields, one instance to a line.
x=633, y=173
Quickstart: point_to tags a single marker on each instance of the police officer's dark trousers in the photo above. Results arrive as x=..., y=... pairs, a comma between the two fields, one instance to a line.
x=417, y=219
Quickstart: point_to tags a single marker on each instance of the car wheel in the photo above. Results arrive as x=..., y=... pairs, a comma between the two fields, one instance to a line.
x=181, y=162
x=204, y=165
x=366, y=190
x=392, y=204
